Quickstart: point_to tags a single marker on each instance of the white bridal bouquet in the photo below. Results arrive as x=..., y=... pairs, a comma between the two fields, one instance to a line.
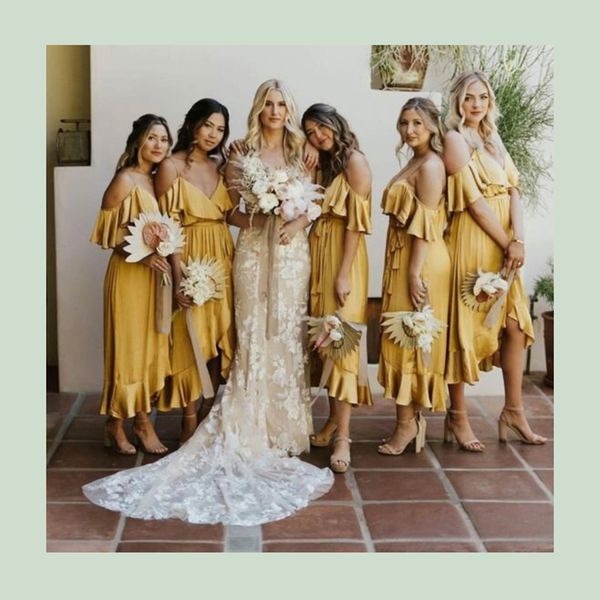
x=414, y=330
x=283, y=192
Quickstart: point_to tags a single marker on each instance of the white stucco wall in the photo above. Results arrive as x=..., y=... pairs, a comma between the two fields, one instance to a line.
x=128, y=81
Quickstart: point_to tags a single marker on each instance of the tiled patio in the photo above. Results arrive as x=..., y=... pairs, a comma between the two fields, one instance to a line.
x=443, y=500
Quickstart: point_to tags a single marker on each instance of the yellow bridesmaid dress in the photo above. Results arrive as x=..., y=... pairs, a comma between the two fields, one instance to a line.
x=342, y=210
x=136, y=357
x=471, y=345
x=402, y=373
x=206, y=235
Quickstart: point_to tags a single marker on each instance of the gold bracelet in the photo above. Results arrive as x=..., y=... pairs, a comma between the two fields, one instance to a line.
x=518, y=241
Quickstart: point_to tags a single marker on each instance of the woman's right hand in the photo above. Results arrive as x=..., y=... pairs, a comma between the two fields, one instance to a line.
x=181, y=299
x=417, y=290
x=157, y=263
x=239, y=147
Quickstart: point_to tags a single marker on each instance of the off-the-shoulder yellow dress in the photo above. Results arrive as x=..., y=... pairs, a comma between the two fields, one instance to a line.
x=402, y=372
x=342, y=209
x=472, y=345
x=136, y=357
x=206, y=235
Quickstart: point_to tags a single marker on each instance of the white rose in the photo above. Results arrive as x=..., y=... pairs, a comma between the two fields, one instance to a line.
x=280, y=176
x=313, y=212
x=165, y=248
x=336, y=335
x=288, y=211
x=332, y=321
x=260, y=187
x=267, y=202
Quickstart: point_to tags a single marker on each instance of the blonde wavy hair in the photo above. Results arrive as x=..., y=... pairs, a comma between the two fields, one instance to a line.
x=432, y=120
x=293, y=136
x=487, y=129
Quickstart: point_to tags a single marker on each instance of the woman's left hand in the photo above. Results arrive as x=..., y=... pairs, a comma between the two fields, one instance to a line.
x=288, y=231
x=342, y=288
x=311, y=156
x=514, y=257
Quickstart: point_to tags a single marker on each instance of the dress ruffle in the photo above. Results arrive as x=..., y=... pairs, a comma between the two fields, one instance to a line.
x=111, y=225
x=342, y=201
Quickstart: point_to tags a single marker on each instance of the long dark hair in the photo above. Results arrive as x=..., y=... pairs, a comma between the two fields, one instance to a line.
x=332, y=164
x=198, y=114
x=140, y=130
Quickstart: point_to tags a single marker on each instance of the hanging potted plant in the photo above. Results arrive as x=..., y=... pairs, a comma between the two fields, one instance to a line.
x=544, y=287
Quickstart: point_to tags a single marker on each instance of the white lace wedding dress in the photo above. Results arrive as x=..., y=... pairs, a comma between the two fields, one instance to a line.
x=237, y=468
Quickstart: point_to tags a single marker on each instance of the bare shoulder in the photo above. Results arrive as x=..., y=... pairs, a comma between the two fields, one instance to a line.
x=118, y=189
x=358, y=173
x=430, y=180
x=166, y=174
x=457, y=152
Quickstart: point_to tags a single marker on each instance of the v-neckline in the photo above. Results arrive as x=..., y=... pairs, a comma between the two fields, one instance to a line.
x=219, y=180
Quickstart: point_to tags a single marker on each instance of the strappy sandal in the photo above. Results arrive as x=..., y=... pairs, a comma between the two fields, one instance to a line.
x=324, y=437
x=340, y=464
x=419, y=438
x=505, y=424
x=473, y=445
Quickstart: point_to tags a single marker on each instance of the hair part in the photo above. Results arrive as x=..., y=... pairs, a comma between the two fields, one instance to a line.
x=197, y=115
x=332, y=163
x=293, y=136
x=432, y=120
x=487, y=129
x=140, y=130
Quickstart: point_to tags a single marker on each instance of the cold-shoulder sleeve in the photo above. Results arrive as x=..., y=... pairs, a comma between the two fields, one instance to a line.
x=171, y=202
x=111, y=225
x=464, y=187
x=417, y=219
x=359, y=212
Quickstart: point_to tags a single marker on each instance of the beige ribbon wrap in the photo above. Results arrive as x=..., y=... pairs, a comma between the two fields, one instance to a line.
x=164, y=302
x=207, y=387
x=268, y=283
x=493, y=314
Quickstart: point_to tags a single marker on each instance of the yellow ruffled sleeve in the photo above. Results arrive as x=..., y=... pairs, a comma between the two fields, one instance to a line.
x=358, y=212
x=464, y=187
x=171, y=202
x=416, y=218
x=111, y=225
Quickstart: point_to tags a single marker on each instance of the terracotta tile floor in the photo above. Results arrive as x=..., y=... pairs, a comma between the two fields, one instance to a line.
x=443, y=500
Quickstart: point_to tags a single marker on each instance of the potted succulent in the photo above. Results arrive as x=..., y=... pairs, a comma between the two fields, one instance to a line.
x=544, y=287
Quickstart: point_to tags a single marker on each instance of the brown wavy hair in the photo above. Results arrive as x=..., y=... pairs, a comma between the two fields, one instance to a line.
x=332, y=163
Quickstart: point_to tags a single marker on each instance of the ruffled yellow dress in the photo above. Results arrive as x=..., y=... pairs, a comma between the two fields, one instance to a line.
x=471, y=345
x=342, y=210
x=206, y=235
x=402, y=373
x=136, y=356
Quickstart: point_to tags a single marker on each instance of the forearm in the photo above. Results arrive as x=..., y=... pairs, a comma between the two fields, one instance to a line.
x=483, y=215
x=175, y=260
x=351, y=240
x=516, y=214
x=417, y=257
x=238, y=219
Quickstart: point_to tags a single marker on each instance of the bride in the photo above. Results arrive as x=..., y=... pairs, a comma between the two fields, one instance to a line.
x=238, y=466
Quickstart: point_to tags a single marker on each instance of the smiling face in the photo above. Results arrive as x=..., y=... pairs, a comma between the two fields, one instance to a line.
x=274, y=112
x=476, y=103
x=209, y=134
x=155, y=146
x=319, y=135
x=413, y=130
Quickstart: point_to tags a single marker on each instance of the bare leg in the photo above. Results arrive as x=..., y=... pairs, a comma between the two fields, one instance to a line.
x=511, y=357
x=340, y=459
x=214, y=370
x=457, y=420
x=405, y=431
x=116, y=438
x=189, y=421
x=323, y=438
x=144, y=430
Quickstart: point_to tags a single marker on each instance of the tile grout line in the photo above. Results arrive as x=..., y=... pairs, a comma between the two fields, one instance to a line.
x=357, y=504
x=64, y=427
x=455, y=500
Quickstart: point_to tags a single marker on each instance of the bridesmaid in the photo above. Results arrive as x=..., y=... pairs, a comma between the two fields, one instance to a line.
x=190, y=188
x=339, y=264
x=136, y=357
x=416, y=272
x=487, y=233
